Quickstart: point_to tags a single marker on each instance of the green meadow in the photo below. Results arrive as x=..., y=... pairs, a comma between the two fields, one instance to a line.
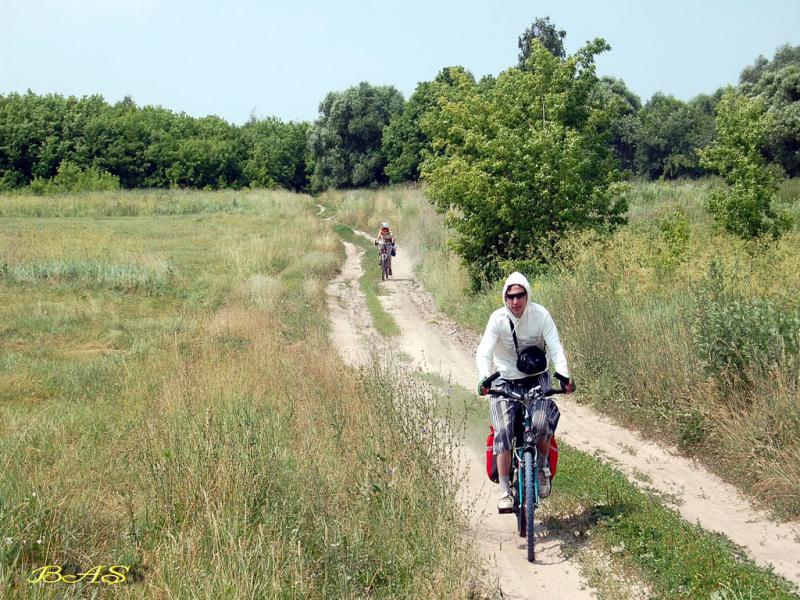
x=169, y=402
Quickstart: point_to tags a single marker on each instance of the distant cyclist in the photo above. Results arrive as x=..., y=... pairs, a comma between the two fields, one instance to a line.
x=521, y=335
x=385, y=236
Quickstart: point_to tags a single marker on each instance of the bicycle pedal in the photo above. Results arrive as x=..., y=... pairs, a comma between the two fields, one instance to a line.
x=505, y=511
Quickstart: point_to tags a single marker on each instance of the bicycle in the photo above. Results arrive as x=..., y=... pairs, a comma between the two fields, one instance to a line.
x=524, y=487
x=384, y=258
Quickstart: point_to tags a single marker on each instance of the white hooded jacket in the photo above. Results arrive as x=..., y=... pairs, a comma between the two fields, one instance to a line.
x=535, y=328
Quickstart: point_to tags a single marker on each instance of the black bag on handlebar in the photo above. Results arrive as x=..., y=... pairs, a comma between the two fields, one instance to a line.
x=530, y=361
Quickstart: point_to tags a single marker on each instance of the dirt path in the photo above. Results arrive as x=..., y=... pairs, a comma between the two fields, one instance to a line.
x=351, y=325
x=440, y=346
x=552, y=575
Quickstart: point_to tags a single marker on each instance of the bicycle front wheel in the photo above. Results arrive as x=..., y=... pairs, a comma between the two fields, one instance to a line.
x=519, y=494
x=529, y=505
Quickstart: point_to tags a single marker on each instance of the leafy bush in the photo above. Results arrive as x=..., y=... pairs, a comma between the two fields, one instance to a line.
x=673, y=240
x=71, y=178
x=744, y=207
x=738, y=337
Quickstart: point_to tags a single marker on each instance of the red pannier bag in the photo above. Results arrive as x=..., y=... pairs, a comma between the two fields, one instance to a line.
x=491, y=459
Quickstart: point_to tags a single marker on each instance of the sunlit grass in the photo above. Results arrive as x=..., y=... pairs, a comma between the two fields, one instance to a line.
x=147, y=203
x=169, y=400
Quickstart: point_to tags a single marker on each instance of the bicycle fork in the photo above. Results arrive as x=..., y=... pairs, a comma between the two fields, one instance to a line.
x=520, y=454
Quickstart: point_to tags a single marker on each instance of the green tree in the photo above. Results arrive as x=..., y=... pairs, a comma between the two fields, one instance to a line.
x=623, y=127
x=38, y=133
x=137, y=145
x=668, y=135
x=744, y=206
x=155, y=147
x=345, y=141
x=546, y=33
x=276, y=153
x=403, y=138
x=777, y=84
x=51, y=140
x=209, y=156
x=522, y=160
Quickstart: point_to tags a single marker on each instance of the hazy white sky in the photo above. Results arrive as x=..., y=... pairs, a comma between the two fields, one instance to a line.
x=281, y=58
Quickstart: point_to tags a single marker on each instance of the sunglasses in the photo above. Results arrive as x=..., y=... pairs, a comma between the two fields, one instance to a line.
x=516, y=296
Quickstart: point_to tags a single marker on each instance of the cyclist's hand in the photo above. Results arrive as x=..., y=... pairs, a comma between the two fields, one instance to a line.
x=485, y=385
x=567, y=384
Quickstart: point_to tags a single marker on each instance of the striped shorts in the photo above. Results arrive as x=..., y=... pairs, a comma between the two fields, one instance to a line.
x=506, y=413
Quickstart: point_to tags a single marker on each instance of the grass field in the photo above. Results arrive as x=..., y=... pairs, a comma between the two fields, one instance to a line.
x=169, y=401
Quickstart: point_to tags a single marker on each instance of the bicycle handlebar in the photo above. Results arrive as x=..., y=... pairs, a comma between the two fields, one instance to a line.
x=511, y=395
x=519, y=397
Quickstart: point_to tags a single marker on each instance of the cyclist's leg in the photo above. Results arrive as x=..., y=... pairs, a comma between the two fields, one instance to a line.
x=503, y=415
x=542, y=419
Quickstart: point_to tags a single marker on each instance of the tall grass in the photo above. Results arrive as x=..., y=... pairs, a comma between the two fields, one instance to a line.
x=208, y=436
x=700, y=350
x=145, y=203
x=670, y=326
x=152, y=275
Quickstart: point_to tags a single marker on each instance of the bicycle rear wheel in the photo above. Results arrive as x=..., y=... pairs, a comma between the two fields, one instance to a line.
x=529, y=504
x=384, y=268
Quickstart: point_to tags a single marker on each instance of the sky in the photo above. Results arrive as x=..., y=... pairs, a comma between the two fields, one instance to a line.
x=237, y=58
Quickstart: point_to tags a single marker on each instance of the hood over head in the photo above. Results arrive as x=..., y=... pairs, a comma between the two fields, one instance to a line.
x=516, y=278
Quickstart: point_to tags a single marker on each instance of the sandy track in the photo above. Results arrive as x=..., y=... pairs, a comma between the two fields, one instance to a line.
x=438, y=345
x=552, y=575
x=351, y=325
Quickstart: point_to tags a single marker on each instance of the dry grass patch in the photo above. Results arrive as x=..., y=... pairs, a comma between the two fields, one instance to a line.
x=221, y=449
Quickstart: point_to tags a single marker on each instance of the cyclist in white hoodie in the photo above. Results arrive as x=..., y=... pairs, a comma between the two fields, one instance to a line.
x=519, y=326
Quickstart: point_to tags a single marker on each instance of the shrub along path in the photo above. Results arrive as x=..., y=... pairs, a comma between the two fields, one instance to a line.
x=440, y=346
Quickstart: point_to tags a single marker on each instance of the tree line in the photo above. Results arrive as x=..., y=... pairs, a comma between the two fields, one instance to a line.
x=50, y=136
x=365, y=135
